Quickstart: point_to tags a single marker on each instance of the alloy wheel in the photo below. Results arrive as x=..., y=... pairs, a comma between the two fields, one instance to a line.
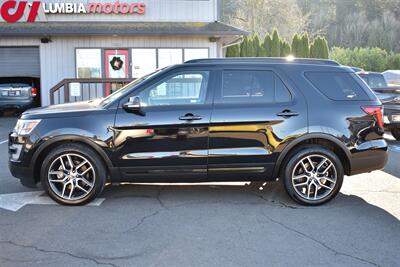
x=71, y=176
x=314, y=177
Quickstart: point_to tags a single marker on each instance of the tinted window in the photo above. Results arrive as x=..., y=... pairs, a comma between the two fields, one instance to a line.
x=252, y=86
x=337, y=85
x=180, y=89
x=377, y=81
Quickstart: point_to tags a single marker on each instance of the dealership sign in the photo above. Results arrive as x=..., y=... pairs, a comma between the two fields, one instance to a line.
x=12, y=11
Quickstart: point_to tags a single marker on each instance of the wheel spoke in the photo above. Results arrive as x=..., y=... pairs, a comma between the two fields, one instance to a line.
x=311, y=163
x=301, y=184
x=300, y=177
x=325, y=186
x=57, y=173
x=71, y=191
x=316, y=191
x=321, y=164
x=80, y=165
x=84, y=181
x=62, y=163
x=71, y=164
x=81, y=188
x=85, y=171
x=304, y=166
x=327, y=168
x=308, y=190
x=63, y=190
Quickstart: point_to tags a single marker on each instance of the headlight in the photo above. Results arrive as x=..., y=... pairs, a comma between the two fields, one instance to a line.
x=24, y=127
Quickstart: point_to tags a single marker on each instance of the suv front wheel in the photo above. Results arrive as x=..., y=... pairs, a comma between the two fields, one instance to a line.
x=313, y=175
x=73, y=174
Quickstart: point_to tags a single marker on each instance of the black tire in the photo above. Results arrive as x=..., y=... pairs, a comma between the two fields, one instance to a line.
x=1, y=113
x=396, y=133
x=100, y=172
x=302, y=153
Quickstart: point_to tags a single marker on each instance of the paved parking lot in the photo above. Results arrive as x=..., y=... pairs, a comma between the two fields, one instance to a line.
x=203, y=225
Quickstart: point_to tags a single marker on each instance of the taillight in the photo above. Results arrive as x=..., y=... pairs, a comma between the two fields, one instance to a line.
x=34, y=92
x=376, y=111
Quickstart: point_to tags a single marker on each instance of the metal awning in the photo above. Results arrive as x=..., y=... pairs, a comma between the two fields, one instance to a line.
x=77, y=28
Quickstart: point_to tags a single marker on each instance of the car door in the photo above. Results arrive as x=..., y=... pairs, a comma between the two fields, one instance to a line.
x=255, y=111
x=168, y=141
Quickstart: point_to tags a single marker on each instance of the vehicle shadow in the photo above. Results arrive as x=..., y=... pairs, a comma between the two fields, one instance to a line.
x=270, y=194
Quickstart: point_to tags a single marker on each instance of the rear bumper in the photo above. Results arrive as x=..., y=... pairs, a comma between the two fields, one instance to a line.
x=389, y=111
x=371, y=156
x=19, y=104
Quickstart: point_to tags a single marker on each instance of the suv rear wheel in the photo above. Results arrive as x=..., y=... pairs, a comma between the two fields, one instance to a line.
x=73, y=174
x=396, y=133
x=313, y=175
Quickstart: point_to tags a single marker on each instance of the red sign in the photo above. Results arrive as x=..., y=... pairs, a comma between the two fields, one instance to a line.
x=8, y=6
x=12, y=11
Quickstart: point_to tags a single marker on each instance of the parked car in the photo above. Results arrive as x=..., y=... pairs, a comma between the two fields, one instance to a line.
x=308, y=122
x=389, y=96
x=18, y=93
x=392, y=77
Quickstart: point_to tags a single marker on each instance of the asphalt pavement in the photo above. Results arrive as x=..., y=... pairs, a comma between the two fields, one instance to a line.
x=236, y=224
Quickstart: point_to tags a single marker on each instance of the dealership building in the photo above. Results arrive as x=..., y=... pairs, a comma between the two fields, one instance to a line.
x=76, y=48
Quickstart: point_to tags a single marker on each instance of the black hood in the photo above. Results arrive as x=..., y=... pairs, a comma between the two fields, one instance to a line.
x=63, y=110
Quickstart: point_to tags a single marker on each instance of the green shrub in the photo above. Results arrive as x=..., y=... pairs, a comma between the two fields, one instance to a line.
x=370, y=59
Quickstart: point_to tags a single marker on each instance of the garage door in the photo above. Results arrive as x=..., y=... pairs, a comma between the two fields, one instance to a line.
x=19, y=61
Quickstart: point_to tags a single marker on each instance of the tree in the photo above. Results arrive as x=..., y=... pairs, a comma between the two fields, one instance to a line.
x=267, y=45
x=319, y=48
x=275, y=44
x=233, y=51
x=255, y=46
x=285, y=49
x=244, y=47
x=305, y=46
x=296, y=43
x=262, y=16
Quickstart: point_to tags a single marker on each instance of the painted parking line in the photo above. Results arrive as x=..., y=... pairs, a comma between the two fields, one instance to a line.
x=3, y=142
x=15, y=201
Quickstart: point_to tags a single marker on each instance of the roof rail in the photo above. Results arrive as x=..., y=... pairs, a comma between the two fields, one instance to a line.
x=266, y=60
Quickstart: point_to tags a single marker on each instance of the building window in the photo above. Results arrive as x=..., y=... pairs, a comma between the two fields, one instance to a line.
x=168, y=57
x=144, y=60
x=88, y=63
x=195, y=53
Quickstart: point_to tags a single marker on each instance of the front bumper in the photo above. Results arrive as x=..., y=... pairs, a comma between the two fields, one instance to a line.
x=17, y=160
x=24, y=174
x=371, y=156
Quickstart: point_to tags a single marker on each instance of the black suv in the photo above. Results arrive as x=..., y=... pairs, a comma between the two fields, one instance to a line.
x=307, y=122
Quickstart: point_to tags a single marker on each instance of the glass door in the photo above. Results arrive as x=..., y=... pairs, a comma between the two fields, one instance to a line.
x=116, y=66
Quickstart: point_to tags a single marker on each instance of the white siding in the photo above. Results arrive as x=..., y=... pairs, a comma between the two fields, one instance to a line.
x=57, y=59
x=156, y=10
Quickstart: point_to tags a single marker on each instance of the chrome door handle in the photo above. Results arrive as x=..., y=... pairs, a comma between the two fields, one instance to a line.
x=287, y=113
x=190, y=117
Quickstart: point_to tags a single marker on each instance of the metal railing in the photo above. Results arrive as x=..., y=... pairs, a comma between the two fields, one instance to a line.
x=73, y=90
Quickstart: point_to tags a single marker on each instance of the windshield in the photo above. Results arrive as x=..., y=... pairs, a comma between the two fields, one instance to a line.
x=127, y=87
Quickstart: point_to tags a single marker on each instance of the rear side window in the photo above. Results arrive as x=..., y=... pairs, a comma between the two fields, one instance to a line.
x=241, y=86
x=337, y=85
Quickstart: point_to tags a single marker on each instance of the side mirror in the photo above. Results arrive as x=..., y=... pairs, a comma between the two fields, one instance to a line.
x=133, y=105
